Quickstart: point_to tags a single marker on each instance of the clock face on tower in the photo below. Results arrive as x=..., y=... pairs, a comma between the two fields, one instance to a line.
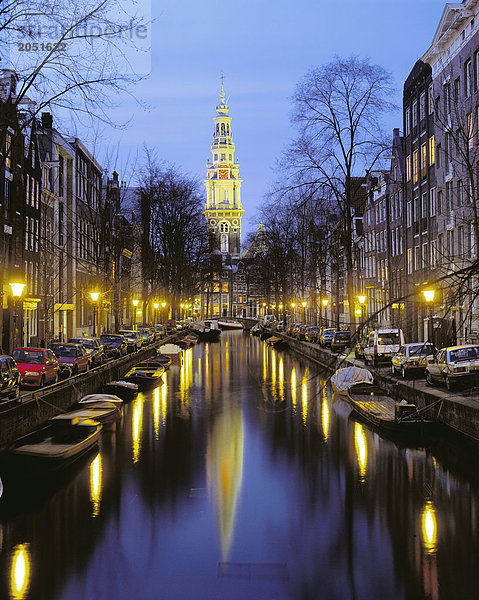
x=223, y=173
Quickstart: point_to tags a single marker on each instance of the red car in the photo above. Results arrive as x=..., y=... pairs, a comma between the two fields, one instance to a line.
x=73, y=358
x=37, y=366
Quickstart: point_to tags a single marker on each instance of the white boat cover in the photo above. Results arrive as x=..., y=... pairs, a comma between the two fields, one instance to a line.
x=343, y=379
x=169, y=349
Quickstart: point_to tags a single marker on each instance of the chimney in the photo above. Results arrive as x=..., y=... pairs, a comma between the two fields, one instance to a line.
x=47, y=121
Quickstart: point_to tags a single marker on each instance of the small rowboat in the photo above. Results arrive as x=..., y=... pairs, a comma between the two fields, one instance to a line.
x=126, y=390
x=103, y=412
x=146, y=374
x=60, y=441
x=95, y=398
x=373, y=405
x=343, y=379
x=172, y=351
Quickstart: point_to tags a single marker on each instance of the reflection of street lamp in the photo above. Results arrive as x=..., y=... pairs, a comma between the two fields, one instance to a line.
x=304, y=304
x=17, y=291
x=429, y=297
x=135, y=304
x=94, y=297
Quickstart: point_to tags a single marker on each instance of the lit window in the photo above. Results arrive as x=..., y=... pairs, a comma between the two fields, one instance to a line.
x=432, y=151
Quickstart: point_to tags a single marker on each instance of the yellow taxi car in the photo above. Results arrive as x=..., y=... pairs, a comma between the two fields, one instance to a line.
x=412, y=358
x=454, y=364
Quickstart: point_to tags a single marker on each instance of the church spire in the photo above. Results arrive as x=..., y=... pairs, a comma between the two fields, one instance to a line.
x=223, y=209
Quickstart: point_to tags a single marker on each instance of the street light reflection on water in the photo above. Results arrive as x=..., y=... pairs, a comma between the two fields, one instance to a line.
x=240, y=476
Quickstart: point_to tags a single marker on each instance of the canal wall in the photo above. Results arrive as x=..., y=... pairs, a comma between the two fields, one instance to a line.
x=19, y=417
x=459, y=413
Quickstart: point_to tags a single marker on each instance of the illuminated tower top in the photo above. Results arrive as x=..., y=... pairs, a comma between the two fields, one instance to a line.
x=223, y=209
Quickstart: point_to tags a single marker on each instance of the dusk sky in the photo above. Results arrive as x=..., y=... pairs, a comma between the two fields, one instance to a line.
x=263, y=48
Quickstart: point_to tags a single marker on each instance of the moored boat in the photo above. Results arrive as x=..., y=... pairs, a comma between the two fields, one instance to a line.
x=207, y=330
x=96, y=398
x=229, y=324
x=126, y=390
x=146, y=374
x=372, y=404
x=344, y=378
x=255, y=330
x=59, y=442
x=172, y=351
x=103, y=412
x=276, y=342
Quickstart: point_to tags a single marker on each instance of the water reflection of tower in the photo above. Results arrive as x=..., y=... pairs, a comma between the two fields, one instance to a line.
x=225, y=471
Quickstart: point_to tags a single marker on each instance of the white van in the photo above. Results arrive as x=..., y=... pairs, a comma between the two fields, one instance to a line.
x=382, y=344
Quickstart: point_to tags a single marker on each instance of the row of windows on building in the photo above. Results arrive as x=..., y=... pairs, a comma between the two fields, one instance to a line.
x=417, y=112
x=378, y=210
x=32, y=192
x=223, y=157
x=32, y=234
x=421, y=159
x=87, y=239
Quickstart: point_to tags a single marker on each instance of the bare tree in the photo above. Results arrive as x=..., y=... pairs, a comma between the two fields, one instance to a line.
x=71, y=54
x=337, y=109
x=174, y=236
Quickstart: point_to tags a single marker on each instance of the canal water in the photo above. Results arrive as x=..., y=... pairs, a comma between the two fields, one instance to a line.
x=239, y=477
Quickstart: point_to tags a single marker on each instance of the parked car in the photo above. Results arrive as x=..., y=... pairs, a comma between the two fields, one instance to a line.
x=341, y=340
x=9, y=378
x=114, y=345
x=382, y=345
x=412, y=358
x=94, y=347
x=171, y=327
x=312, y=333
x=301, y=333
x=133, y=339
x=72, y=358
x=326, y=337
x=160, y=331
x=147, y=335
x=292, y=329
x=453, y=365
x=37, y=366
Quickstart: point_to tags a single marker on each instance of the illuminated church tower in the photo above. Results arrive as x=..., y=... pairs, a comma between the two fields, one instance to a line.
x=223, y=210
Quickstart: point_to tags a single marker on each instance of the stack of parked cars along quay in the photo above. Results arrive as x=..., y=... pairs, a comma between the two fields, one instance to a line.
x=45, y=390
x=443, y=381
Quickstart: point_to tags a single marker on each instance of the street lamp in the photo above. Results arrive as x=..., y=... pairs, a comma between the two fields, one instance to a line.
x=325, y=303
x=94, y=297
x=293, y=306
x=155, y=306
x=163, y=304
x=429, y=298
x=17, y=291
x=135, y=304
x=362, y=302
x=304, y=304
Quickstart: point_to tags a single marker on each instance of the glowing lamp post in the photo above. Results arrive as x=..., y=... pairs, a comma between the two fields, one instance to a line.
x=163, y=305
x=94, y=297
x=17, y=288
x=325, y=303
x=304, y=304
x=135, y=304
x=156, y=306
x=362, y=302
x=429, y=298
